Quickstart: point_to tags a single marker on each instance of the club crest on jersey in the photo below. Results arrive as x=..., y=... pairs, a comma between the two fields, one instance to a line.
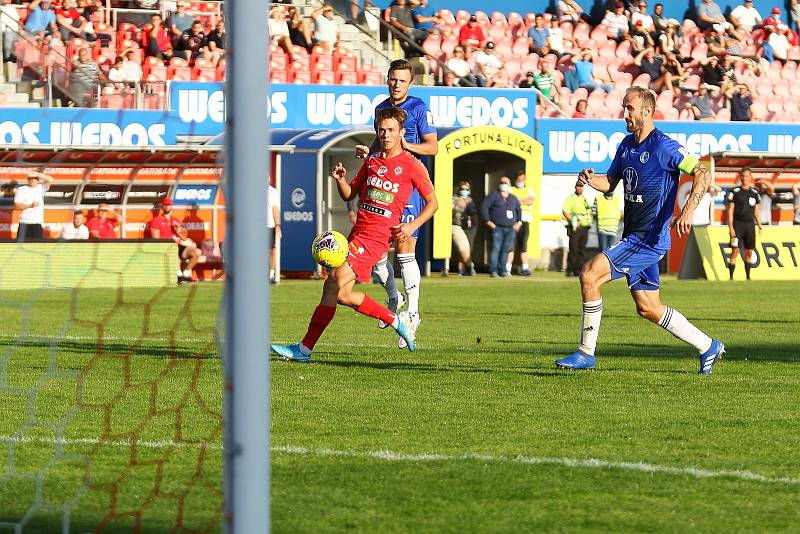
x=382, y=170
x=644, y=157
x=398, y=171
x=631, y=179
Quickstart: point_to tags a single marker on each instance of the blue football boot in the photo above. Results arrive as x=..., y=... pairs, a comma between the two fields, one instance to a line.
x=291, y=353
x=577, y=361
x=710, y=357
x=406, y=330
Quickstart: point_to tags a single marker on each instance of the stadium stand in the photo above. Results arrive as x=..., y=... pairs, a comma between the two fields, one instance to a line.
x=770, y=83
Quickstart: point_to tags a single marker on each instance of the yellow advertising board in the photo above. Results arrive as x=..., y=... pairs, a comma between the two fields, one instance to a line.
x=775, y=257
x=483, y=139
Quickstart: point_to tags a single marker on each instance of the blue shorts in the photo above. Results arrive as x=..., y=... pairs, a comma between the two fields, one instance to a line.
x=636, y=261
x=412, y=210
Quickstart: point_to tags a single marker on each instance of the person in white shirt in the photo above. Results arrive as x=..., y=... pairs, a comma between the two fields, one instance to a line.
x=780, y=43
x=327, y=31
x=556, y=41
x=130, y=68
x=274, y=225
x=746, y=16
x=30, y=200
x=279, y=30
x=9, y=26
x=486, y=65
x=76, y=229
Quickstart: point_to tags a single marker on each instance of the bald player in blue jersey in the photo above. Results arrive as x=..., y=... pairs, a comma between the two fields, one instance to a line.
x=420, y=139
x=649, y=164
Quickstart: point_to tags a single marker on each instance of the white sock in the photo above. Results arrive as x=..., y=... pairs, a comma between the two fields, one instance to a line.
x=679, y=326
x=305, y=350
x=385, y=272
x=272, y=274
x=508, y=267
x=590, y=326
x=187, y=273
x=409, y=270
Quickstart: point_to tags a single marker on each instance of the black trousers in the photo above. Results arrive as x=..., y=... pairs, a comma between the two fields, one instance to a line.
x=26, y=232
x=577, y=249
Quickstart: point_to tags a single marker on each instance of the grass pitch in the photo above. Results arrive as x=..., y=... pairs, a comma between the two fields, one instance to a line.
x=114, y=414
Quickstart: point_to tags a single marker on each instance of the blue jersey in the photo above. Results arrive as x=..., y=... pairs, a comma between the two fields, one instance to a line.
x=419, y=121
x=649, y=172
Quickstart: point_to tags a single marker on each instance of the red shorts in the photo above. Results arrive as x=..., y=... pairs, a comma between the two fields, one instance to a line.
x=364, y=254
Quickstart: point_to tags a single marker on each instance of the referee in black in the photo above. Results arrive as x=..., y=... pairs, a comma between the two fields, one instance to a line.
x=743, y=216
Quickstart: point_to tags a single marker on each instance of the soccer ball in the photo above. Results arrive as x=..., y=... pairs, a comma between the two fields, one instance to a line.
x=330, y=249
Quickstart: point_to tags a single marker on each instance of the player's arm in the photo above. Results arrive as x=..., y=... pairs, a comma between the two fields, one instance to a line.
x=601, y=182
x=683, y=224
x=406, y=230
x=428, y=147
x=339, y=173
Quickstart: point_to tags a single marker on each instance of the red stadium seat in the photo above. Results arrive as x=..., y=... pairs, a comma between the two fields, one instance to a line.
x=449, y=44
x=567, y=29
x=516, y=24
x=347, y=77
x=278, y=76
x=301, y=77
x=322, y=61
x=503, y=46
x=324, y=77
x=374, y=78
x=498, y=30
x=520, y=47
x=530, y=62
x=498, y=16
x=432, y=44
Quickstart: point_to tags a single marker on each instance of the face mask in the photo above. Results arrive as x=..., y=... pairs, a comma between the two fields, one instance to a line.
x=505, y=188
x=520, y=184
x=463, y=192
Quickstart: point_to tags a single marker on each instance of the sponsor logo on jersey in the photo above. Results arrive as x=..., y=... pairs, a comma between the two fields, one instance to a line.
x=377, y=210
x=386, y=185
x=380, y=195
x=398, y=171
x=382, y=170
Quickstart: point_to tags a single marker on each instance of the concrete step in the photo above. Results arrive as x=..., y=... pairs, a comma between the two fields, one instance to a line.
x=17, y=98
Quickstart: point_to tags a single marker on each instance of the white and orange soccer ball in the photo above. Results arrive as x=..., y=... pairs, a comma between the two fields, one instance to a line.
x=330, y=249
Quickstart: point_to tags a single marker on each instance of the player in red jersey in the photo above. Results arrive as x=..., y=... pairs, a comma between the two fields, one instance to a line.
x=385, y=182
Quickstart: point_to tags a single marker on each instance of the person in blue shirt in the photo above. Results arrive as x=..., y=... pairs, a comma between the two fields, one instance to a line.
x=648, y=163
x=420, y=139
x=585, y=75
x=424, y=21
x=41, y=21
x=539, y=37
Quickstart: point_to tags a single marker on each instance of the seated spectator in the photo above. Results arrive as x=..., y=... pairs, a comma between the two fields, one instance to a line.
x=327, y=31
x=104, y=225
x=653, y=65
x=71, y=23
x=499, y=79
x=708, y=14
x=659, y=20
x=777, y=46
x=83, y=79
x=401, y=19
x=539, y=37
x=460, y=68
x=449, y=80
x=556, y=41
x=191, y=43
x=215, y=43
x=581, y=109
x=9, y=26
x=139, y=18
x=796, y=203
x=568, y=11
x=299, y=32
x=546, y=83
x=715, y=77
x=41, y=21
x=647, y=23
x=746, y=17
x=131, y=69
x=677, y=74
x=117, y=75
x=617, y=23
x=585, y=76
x=426, y=22
x=486, y=65
x=714, y=40
x=668, y=41
x=741, y=101
x=794, y=11
x=159, y=43
x=774, y=18
x=471, y=37
x=639, y=38
x=279, y=30
x=179, y=22
x=700, y=105
x=76, y=229
x=528, y=81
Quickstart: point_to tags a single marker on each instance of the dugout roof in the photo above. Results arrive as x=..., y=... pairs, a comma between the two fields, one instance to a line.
x=781, y=165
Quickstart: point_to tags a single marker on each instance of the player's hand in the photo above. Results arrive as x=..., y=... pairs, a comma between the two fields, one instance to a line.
x=401, y=232
x=352, y=216
x=585, y=176
x=362, y=151
x=339, y=172
x=34, y=203
x=517, y=226
x=491, y=225
x=683, y=224
x=732, y=233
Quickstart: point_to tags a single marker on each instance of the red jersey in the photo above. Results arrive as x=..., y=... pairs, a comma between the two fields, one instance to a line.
x=106, y=229
x=385, y=186
x=467, y=34
x=166, y=227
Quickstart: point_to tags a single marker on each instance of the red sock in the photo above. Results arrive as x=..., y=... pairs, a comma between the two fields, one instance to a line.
x=320, y=320
x=370, y=308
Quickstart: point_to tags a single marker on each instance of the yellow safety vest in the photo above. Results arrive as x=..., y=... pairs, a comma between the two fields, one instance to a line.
x=608, y=214
x=578, y=208
x=523, y=193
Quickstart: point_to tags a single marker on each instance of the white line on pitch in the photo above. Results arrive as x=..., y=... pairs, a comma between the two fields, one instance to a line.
x=390, y=456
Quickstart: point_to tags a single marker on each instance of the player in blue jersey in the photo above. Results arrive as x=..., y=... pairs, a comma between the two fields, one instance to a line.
x=649, y=164
x=420, y=139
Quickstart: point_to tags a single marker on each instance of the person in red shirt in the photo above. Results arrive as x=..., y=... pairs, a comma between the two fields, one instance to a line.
x=384, y=182
x=471, y=36
x=166, y=226
x=71, y=23
x=158, y=42
x=104, y=226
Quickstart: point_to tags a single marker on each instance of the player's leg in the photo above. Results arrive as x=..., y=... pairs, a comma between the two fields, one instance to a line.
x=385, y=272
x=749, y=244
x=409, y=271
x=190, y=257
x=507, y=244
x=735, y=245
x=594, y=274
x=649, y=306
x=522, y=245
x=748, y=261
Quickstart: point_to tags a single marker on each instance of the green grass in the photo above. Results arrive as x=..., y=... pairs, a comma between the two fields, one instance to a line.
x=481, y=425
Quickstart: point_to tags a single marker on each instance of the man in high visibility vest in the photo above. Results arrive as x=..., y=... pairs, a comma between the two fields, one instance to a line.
x=578, y=214
x=608, y=214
